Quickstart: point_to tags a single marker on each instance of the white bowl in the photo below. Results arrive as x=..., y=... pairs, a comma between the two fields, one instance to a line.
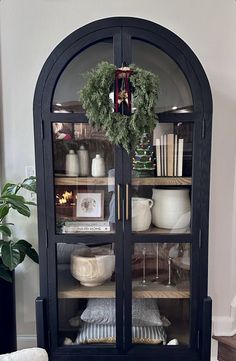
x=92, y=271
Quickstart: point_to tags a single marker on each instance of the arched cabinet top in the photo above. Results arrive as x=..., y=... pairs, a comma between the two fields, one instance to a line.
x=120, y=39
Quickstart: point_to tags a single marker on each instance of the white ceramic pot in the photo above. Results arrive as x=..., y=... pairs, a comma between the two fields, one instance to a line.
x=98, y=166
x=72, y=164
x=141, y=213
x=92, y=271
x=83, y=161
x=171, y=209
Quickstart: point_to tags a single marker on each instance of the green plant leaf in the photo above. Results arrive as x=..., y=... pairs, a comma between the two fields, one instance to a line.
x=29, y=184
x=4, y=209
x=10, y=255
x=31, y=253
x=9, y=188
x=5, y=229
x=31, y=203
x=22, y=256
x=17, y=203
x=26, y=248
x=1, y=243
x=22, y=244
x=5, y=274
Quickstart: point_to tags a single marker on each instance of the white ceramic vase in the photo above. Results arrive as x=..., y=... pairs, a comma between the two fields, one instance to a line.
x=72, y=164
x=83, y=161
x=141, y=213
x=171, y=209
x=98, y=166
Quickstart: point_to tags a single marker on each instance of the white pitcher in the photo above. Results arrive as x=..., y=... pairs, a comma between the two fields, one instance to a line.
x=141, y=213
x=171, y=208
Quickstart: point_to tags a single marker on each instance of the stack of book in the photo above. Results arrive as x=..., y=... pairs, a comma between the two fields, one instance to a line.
x=169, y=155
x=81, y=226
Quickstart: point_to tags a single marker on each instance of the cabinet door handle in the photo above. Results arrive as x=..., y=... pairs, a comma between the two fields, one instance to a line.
x=127, y=201
x=118, y=202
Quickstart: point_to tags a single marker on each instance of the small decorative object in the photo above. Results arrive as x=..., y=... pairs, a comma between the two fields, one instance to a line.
x=72, y=164
x=93, y=270
x=120, y=127
x=98, y=166
x=144, y=282
x=173, y=342
x=83, y=157
x=143, y=162
x=170, y=283
x=141, y=213
x=156, y=279
x=67, y=341
x=123, y=91
x=171, y=209
x=90, y=205
x=62, y=131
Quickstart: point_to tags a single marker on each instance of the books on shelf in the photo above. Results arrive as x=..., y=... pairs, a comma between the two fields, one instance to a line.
x=90, y=226
x=169, y=155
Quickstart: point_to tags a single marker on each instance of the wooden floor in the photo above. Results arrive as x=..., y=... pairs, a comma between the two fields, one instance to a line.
x=226, y=348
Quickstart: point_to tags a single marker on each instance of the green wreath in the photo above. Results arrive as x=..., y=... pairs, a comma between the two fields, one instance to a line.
x=125, y=130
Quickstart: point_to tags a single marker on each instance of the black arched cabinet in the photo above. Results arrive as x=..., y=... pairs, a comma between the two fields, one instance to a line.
x=123, y=238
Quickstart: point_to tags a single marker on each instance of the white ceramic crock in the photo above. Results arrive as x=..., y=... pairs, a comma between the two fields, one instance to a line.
x=141, y=213
x=171, y=209
x=92, y=271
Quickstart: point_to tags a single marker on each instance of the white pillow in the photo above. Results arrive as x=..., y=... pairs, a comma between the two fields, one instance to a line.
x=30, y=354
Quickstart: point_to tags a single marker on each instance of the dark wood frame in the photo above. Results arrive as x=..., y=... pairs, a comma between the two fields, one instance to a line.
x=122, y=30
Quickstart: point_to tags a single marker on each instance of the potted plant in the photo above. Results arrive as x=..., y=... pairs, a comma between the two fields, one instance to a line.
x=12, y=253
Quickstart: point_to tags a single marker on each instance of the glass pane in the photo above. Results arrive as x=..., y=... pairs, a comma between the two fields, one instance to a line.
x=175, y=93
x=67, y=92
x=84, y=178
x=161, y=293
x=86, y=294
x=161, y=180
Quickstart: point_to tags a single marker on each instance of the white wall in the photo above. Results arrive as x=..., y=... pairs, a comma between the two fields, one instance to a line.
x=29, y=32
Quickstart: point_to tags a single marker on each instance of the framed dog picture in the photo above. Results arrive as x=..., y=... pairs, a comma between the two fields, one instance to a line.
x=90, y=205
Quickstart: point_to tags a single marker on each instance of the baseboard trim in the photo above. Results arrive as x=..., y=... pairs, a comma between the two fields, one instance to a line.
x=226, y=326
x=26, y=341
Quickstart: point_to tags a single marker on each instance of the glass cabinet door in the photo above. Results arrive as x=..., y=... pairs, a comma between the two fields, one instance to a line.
x=159, y=212
x=85, y=167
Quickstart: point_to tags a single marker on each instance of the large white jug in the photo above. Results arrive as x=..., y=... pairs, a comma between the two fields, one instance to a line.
x=141, y=213
x=171, y=209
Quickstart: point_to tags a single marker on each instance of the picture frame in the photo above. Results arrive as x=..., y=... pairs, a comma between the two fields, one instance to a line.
x=89, y=205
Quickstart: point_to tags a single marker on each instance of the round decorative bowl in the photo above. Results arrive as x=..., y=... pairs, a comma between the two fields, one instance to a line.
x=93, y=270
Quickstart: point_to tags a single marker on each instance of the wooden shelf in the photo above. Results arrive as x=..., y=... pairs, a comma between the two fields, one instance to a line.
x=62, y=180
x=70, y=288
x=83, y=181
x=162, y=181
x=156, y=230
